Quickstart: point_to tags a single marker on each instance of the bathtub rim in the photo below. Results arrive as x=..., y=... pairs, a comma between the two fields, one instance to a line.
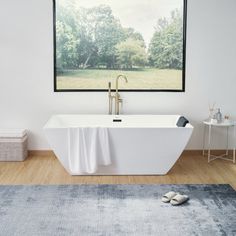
x=50, y=125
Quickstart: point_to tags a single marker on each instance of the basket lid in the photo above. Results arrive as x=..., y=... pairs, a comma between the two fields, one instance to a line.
x=12, y=133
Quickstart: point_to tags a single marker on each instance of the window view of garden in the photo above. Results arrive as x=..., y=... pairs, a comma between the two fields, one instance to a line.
x=96, y=40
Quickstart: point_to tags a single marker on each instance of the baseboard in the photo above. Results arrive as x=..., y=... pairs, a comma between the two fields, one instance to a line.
x=192, y=152
x=185, y=152
x=43, y=153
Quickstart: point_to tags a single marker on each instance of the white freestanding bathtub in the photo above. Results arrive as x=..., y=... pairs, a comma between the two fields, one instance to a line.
x=139, y=144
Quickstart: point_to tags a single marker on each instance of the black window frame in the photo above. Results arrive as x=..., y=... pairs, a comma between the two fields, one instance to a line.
x=123, y=90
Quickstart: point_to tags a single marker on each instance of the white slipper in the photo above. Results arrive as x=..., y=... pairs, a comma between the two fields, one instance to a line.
x=179, y=199
x=168, y=196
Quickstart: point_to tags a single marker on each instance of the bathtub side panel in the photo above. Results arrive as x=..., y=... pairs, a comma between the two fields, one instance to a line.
x=146, y=151
x=58, y=141
x=134, y=151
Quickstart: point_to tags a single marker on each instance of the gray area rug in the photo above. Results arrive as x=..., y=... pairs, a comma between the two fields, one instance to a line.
x=116, y=210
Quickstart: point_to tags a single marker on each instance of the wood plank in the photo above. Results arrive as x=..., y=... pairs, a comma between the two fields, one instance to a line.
x=42, y=167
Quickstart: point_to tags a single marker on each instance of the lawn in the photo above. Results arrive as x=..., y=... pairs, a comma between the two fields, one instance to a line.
x=137, y=79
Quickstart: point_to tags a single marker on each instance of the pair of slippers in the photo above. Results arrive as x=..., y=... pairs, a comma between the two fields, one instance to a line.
x=174, y=198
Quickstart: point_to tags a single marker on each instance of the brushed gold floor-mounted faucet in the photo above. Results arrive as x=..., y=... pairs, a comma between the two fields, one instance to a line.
x=117, y=97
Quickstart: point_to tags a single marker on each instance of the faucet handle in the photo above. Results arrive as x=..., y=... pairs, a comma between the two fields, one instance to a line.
x=120, y=105
x=109, y=89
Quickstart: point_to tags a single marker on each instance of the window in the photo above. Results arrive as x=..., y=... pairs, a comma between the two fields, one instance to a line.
x=97, y=40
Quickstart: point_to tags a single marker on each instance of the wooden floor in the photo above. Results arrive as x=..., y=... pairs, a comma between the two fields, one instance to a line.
x=191, y=168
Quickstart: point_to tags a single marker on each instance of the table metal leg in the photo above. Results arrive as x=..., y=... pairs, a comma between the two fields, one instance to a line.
x=204, y=140
x=209, y=143
x=227, y=144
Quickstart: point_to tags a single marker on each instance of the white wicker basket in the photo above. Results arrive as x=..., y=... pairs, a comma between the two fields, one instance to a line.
x=13, y=145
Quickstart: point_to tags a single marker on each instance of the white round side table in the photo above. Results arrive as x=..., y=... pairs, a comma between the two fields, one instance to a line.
x=226, y=125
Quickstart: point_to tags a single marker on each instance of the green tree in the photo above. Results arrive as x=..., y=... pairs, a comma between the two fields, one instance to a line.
x=99, y=32
x=131, y=53
x=66, y=37
x=66, y=47
x=108, y=35
x=131, y=33
x=93, y=37
x=166, y=46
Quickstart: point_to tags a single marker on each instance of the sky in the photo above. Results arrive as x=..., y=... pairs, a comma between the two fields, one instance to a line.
x=142, y=15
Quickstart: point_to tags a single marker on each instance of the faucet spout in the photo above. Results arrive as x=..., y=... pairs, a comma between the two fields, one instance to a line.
x=117, y=81
x=118, y=100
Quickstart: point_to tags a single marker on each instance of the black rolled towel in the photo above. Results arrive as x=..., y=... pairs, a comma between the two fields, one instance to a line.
x=182, y=122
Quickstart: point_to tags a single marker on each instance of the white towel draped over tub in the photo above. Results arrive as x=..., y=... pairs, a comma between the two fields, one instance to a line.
x=88, y=149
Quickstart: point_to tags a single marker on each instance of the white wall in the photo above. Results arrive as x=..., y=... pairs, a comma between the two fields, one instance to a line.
x=26, y=70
